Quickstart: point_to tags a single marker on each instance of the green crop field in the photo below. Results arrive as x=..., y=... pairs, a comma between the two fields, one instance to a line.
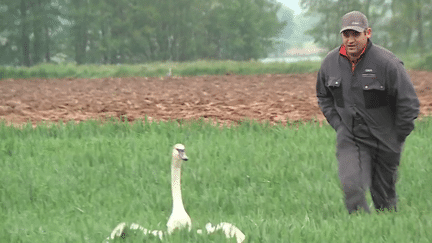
x=204, y=67
x=195, y=68
x=75, y=182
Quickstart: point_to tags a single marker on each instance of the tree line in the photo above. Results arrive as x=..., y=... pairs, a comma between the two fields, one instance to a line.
x=403, y=26
x=136, y=31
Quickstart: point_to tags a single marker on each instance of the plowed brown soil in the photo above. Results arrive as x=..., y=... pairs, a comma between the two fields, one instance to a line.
x=227, y=98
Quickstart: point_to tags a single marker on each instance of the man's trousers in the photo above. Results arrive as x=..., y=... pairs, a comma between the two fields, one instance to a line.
x=363, y=165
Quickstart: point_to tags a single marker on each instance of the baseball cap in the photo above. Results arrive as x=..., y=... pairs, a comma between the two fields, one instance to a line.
x=354, y=20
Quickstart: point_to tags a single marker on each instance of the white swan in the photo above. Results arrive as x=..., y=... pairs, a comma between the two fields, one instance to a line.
x=179, y=218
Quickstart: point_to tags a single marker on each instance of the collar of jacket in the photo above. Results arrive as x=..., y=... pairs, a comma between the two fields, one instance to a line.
x=342, y=50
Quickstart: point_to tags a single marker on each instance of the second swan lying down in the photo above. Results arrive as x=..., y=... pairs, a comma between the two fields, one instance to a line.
x=179, y=218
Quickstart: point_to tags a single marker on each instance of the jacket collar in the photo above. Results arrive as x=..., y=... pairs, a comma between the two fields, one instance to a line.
x=342, y=50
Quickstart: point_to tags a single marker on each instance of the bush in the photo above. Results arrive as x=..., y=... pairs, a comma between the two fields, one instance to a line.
x=425, y=64
x=3, y=73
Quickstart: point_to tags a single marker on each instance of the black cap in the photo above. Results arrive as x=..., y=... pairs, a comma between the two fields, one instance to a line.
x=354, y=20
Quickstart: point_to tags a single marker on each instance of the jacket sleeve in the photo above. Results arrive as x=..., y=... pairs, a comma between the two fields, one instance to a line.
x=407, y=105
x=326, y=101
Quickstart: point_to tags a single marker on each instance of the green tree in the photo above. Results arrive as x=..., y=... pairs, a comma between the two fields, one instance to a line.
x=44, y=18
x=282, y=41
x=243, y=29
x=133, y=31
x=10, y=39
x=186, y=29
x=37, y=24
x=80, y=17
x=399, y=25
x=26, y=27
x=286, y=17
x=326, y=32
x=407, y=25
x=25, y=39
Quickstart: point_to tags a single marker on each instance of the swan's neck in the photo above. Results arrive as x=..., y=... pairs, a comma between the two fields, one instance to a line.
x=175, y=186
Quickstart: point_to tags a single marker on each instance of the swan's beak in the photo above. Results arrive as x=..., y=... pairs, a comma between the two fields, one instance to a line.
x=183, y=156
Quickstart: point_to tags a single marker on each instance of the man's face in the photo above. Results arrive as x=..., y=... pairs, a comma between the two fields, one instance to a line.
x=355, y=41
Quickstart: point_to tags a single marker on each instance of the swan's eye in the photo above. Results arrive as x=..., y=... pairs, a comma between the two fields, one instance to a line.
x=181, y=150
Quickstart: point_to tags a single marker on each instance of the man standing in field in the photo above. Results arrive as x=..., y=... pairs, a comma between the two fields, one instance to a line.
x=366, y=95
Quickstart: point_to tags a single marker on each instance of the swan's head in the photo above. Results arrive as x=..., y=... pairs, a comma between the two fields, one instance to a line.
x=179, y=152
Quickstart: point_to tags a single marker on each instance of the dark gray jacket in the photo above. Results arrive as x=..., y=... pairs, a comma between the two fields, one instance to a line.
x=379, y=90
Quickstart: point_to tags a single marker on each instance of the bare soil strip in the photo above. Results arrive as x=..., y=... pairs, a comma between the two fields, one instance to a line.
x=227, y=98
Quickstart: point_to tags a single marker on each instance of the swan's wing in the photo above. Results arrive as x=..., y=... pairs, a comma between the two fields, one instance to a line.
x=117, y=231
x=229, y=230
x=157, y=233
x=120, y=229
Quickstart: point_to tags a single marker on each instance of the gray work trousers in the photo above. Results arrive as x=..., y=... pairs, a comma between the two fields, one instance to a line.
x=364, y=165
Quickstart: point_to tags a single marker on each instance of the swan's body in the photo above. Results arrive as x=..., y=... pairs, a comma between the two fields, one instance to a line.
x=179, y=218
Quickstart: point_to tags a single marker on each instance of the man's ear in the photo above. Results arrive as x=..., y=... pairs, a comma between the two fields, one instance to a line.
x=368, y=32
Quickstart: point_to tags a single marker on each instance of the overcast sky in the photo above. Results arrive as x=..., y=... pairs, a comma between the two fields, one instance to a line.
x=292, y=4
